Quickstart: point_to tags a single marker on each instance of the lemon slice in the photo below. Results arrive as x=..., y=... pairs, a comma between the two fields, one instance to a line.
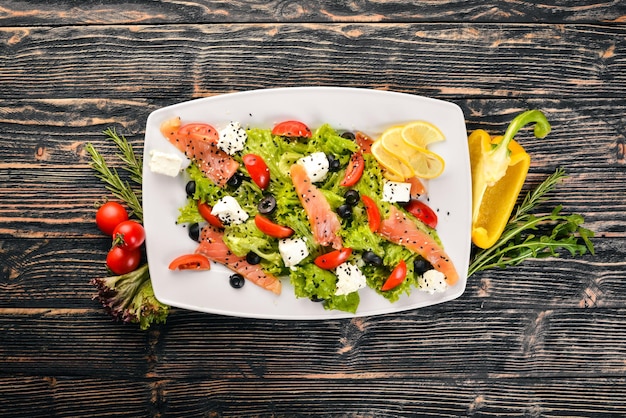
x=394, y=166
x=420, y=134
x=425, y=164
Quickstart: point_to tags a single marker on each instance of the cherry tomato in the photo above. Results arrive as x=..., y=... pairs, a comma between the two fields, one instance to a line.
x=333, y=259
x=129, y=235
x=354, y=170
x=259, y=173
x=372, y=211
x=190, y=262
x=397, y=276
x=364, y=142
x=199, y=131
x=121, y=261
x=292, y=128
x=110, y=215
x=272, y=229
x=422, y=212
x=205, y=212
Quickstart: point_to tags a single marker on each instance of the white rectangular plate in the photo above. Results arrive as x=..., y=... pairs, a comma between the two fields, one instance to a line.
x=369, y=111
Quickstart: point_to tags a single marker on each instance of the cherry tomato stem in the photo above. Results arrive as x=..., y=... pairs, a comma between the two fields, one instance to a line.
x=259, y=173
x=397, y=276
x=190, y=262
x=354, y=170
x=333, y=259
x=272, y=229
x=373, y=213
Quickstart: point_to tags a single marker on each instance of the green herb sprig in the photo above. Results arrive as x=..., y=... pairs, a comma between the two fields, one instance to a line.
x=518, y=242
x=114, y=183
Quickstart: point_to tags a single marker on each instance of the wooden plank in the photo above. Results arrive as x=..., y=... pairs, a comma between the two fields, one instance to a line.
x=59, y=396
x=392, y=397
x=431, y=343
x=181, y=61
x=21, y=12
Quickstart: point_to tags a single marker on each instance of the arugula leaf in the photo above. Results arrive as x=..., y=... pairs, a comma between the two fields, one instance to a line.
x=529, y=236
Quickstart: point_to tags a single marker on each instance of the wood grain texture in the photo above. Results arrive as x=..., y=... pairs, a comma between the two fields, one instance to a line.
x=546, y=339
x=440, y=60
x=65, y=12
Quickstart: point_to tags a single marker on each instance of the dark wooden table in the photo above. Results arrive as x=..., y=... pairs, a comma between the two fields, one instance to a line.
x=547, y=338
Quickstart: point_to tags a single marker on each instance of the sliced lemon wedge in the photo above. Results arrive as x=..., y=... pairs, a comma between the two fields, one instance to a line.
x=421, y=134
x=395, y=167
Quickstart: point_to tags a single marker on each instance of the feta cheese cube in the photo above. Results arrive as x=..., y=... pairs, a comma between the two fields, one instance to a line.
x=432, y=281
x=349, y=279
x=292, y=250
x=316, y=166
x=229, y=211
x=232, y=138
x=395, y=191
x=165, y=163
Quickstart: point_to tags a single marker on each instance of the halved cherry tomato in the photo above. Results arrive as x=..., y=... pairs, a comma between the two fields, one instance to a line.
x=199, y=131
x=354, y=170
x=333, y=259
x=364, y=142
x=422, y=212
x=205, y=212
x=373, y=213
x=397, y=276
x=190, y=262
x=272, y=229
x=259, y=173
x=292, y=128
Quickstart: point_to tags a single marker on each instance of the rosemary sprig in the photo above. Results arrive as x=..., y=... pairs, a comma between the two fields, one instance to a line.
x=114, y=183
x=127, y=155
x=518, y=243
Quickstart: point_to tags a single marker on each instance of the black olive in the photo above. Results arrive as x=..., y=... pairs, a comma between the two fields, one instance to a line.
x=194, y=232
x=352, y=197
x=267, y=205
x=237, y=281
x=345, y=211
x=421, y=266
x=235, y=180
x=253, y=258
x=333, y=163
x=315, y=298
x=371, y=258
x=190, y=188
x=348, y=135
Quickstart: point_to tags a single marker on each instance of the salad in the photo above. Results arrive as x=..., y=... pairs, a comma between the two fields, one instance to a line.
x=314, y=207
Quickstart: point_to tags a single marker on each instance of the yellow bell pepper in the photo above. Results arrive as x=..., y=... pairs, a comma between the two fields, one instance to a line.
x=499, y=168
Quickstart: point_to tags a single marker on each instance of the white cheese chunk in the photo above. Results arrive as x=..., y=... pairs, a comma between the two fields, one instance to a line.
x=316, y=166
x=232, y=138
x=432, y=281
x=292, y=250
x=165, y=163
x=395, y=191
x=349, y=279
x=229, y=211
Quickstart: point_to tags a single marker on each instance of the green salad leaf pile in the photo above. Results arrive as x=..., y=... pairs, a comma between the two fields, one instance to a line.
x=309, y=280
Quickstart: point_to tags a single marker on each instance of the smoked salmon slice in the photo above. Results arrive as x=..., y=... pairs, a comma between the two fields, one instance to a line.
x=213, y=247
x=216, y=165
x=325, y=224
x=401, y=230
